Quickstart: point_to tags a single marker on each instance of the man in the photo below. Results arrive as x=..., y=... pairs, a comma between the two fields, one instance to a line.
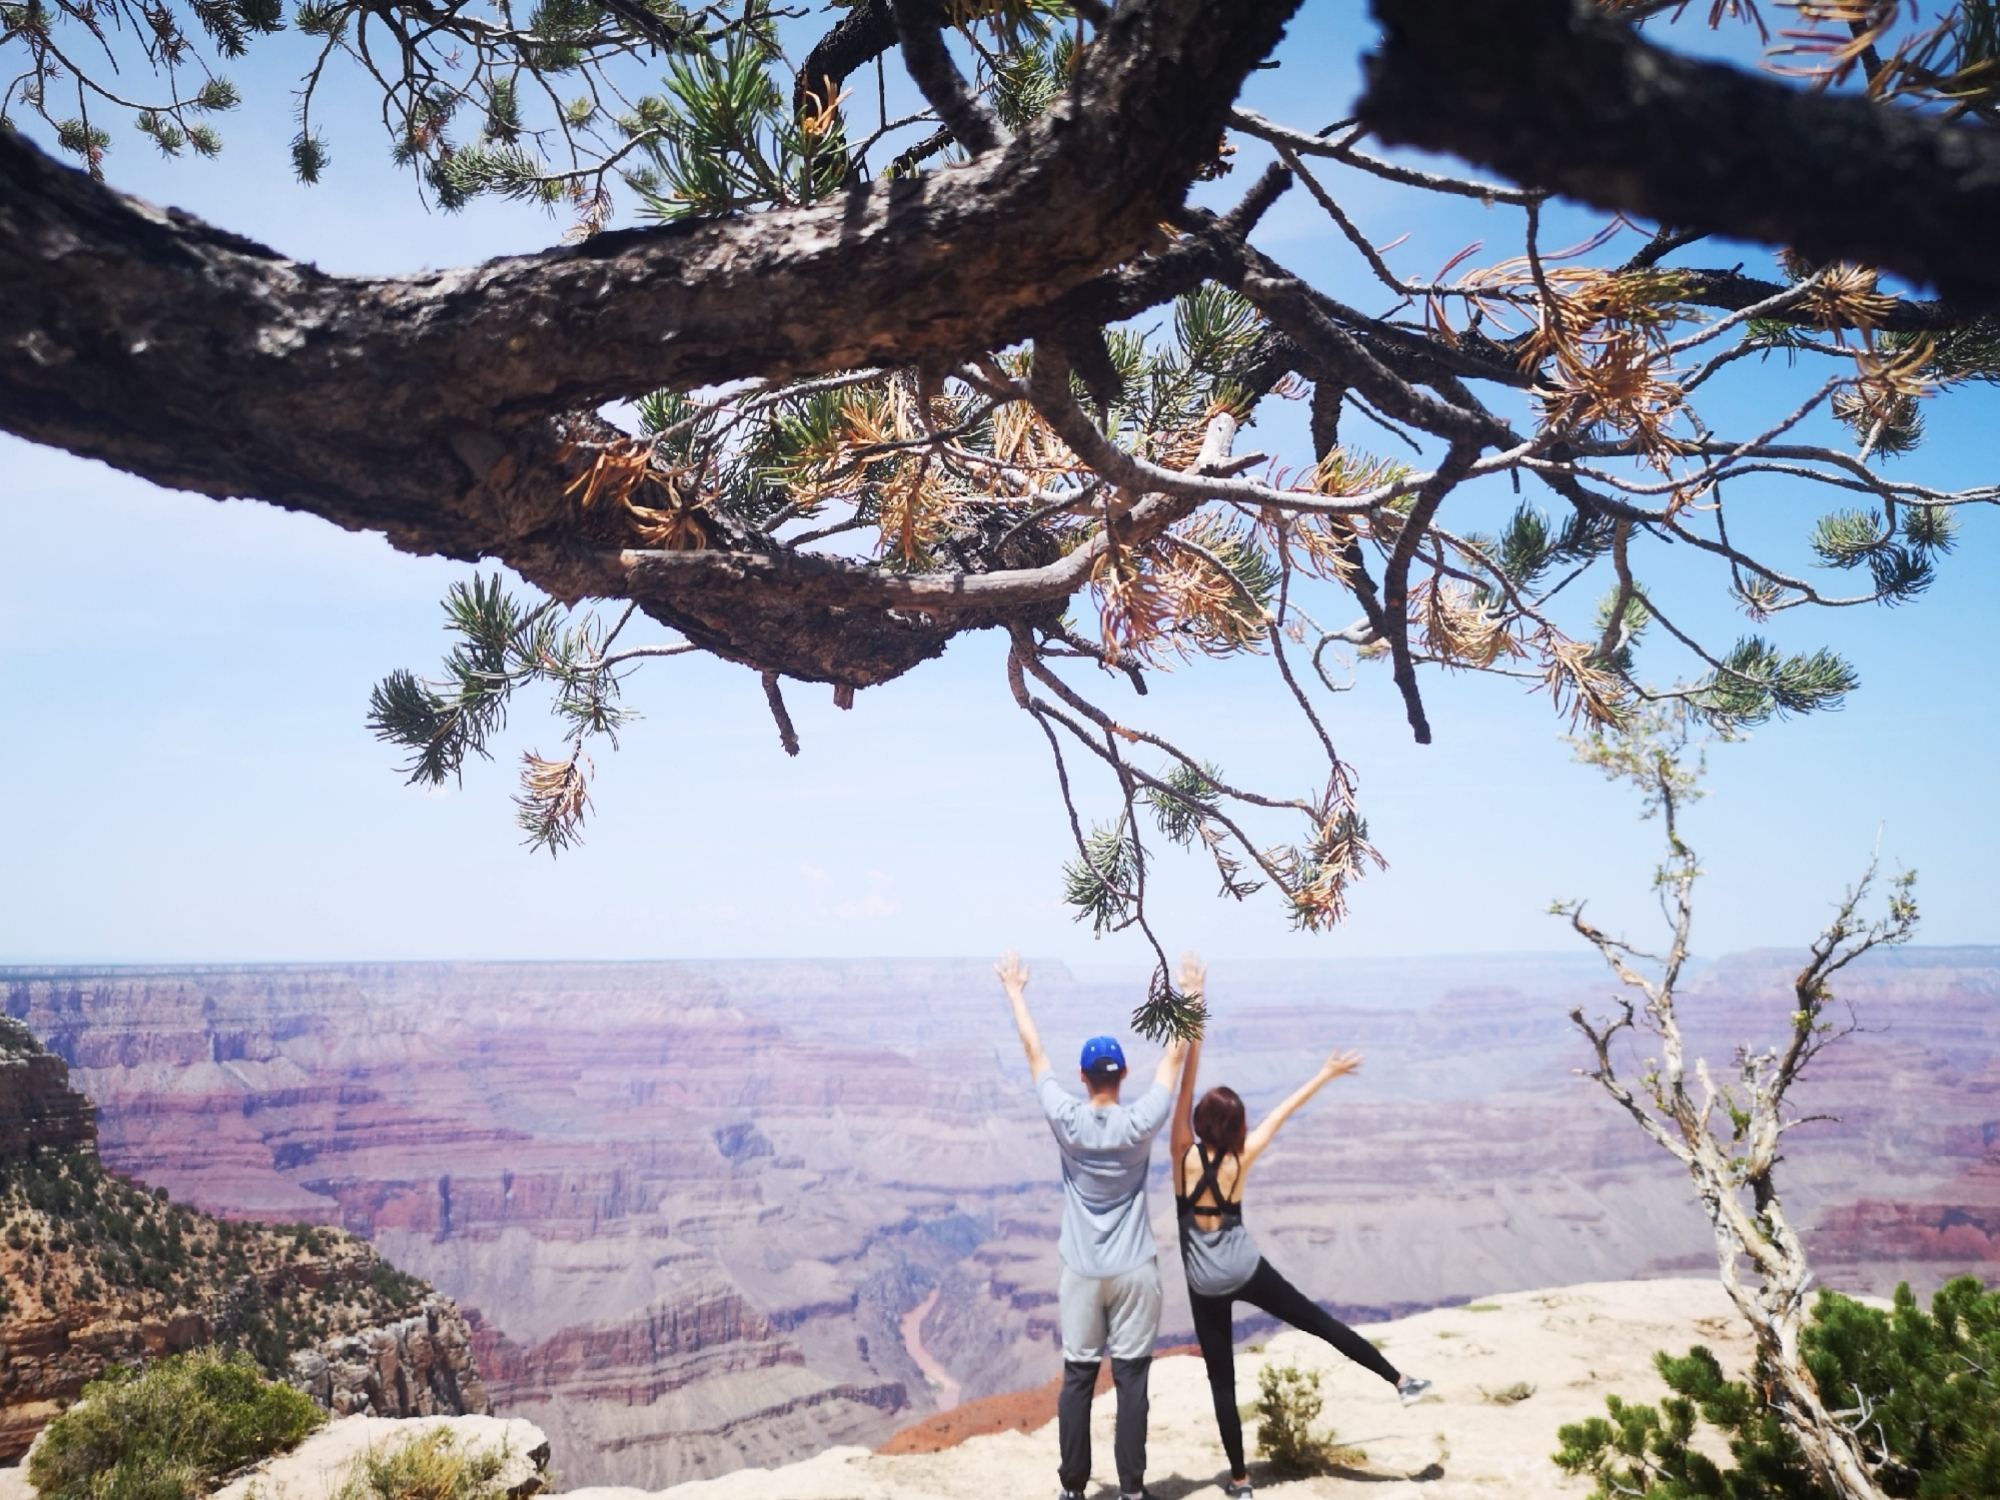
x=1108, y=1297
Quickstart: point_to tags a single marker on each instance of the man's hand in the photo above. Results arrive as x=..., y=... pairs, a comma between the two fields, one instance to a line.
x=1014, y=977
x=1013, y=973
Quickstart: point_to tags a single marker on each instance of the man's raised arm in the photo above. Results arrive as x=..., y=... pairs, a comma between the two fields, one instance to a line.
x=1014, y=976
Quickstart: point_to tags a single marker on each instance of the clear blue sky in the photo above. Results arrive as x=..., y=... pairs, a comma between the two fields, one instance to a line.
x=192, y=780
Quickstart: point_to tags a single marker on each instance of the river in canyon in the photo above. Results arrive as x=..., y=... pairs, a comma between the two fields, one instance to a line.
x=944, y=1386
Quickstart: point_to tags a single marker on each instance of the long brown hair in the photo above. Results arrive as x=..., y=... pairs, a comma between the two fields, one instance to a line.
x=1218, y=1120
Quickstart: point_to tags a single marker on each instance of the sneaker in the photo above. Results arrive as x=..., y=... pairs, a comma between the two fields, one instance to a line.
x=1236, y=1489
x=1069, y=1495
x=1411, y=1388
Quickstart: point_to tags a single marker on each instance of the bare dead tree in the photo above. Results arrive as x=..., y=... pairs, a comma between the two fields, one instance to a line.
x=1728, y=1134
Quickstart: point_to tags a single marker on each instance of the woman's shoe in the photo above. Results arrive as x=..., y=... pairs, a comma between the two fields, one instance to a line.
x=1411, y=1388
x=1236, y=1489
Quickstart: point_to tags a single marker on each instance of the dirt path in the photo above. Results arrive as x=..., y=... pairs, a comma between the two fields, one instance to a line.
x=944, y=1390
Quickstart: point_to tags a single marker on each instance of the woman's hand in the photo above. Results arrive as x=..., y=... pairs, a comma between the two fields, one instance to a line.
x=1194, y=975
x=1339, y=1065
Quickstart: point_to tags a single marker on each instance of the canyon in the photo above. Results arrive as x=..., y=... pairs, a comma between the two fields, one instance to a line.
x=689, y=1209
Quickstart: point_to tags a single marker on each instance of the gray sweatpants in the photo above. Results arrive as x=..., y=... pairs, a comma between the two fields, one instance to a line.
x=1115, y=1315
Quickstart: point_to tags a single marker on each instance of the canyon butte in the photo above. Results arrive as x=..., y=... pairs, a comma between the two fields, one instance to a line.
x=702, y=1216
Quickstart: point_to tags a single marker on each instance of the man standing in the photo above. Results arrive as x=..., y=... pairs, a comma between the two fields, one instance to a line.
x=1108, y=1297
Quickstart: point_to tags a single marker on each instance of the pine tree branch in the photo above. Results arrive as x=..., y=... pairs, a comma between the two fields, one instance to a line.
x=1555, y=96
x=442, y=408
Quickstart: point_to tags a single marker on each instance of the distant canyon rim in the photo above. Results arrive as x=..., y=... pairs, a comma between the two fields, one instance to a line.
x=705, y=1215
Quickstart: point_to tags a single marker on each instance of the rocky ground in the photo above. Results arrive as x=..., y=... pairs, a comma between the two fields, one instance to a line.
x=1508, y=1371
x=690, y=1207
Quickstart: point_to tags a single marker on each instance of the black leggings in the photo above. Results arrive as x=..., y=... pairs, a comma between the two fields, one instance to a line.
x=1270, y=1292
x=1128, y=1448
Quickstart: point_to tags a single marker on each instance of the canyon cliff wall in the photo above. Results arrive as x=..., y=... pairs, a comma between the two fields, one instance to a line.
x=96, y=1271
x=39, y=1111
x=687, y=1206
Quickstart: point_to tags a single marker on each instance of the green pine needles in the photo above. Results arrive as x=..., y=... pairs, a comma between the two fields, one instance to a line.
x=503, y=646
x=549, y=107
x=1756, y=682
x=1899, y=550
x=724, y=137
x=1921, y=1390
x=1101, y=883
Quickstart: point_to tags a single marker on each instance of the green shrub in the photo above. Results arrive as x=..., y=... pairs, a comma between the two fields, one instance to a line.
x=1288, y=1404
x=426, y=1466
x=168, y=1432
x=1929, y=1384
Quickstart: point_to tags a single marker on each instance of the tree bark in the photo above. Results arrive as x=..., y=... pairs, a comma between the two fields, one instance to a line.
x=1555, y=96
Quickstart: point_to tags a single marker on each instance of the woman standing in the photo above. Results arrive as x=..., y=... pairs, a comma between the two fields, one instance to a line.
x=1212, y=1154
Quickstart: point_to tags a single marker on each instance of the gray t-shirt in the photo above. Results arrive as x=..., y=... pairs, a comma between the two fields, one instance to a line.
x=1106, y=1154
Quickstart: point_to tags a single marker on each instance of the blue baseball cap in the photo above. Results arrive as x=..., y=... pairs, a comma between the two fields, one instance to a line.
x=1103, y=1056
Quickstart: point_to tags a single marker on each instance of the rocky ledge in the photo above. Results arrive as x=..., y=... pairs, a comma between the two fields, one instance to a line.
x=419, y=1366
x=320, y=1466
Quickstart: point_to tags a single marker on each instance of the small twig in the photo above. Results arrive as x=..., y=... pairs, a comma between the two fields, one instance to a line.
x=787, y=735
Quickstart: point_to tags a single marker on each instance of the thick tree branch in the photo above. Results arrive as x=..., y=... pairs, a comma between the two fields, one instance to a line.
x=449, y=409
x=1557, y=97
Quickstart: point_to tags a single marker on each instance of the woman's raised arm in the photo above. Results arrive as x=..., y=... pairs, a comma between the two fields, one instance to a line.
x=1336, y=1066
x=1181, y=1137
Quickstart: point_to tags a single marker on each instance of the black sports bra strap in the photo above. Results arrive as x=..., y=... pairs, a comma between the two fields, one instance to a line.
x=1207, y=1182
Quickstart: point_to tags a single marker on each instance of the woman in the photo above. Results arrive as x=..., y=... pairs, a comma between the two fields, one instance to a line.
x=1212, y=1155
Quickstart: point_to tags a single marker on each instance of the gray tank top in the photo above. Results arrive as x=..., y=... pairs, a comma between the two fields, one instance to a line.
x=1219, y=1260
